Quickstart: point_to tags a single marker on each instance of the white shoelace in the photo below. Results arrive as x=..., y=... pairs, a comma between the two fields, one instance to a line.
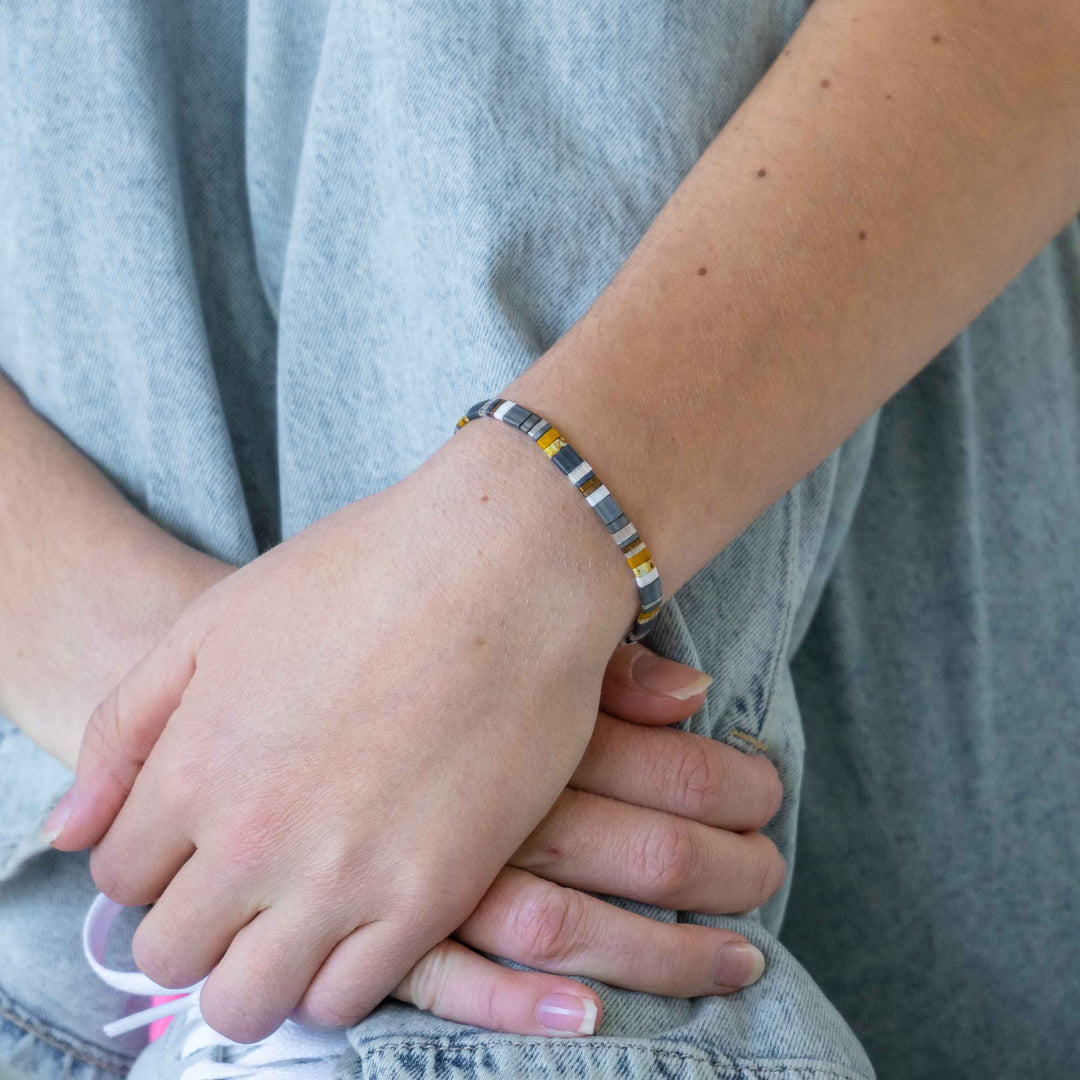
x=290, y=1053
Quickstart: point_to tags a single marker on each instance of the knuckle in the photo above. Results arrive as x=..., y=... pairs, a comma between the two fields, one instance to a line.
x=251, y=841
x=155, y=958
x=768, y=869
x=177, y=786
x=110, y=878
x=428, y=980
x=547, y=926
x=663, y=858
x=695, y=781
x=772, y=791
x=764, y=791
x=104, y=729
x=489, y=1012
x=330, y=1006
x=236, y=1019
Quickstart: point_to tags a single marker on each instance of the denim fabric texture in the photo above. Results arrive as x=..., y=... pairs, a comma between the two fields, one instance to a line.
x=256, y=260
x=937, y=897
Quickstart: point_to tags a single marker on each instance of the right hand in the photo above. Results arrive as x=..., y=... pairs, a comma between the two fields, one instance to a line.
x=651, y=814
x=104, y=583
x=200, y=747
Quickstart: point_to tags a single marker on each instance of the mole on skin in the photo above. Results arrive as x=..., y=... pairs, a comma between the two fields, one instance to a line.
x=862, y=234
x=825, y=84
x=762, y=172
x=484, y=498
x=936, y=38
x=479, y=641
x=702, y=271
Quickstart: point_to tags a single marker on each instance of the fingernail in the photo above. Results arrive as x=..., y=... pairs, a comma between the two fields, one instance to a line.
x=739, y=964
x=666, y=676
x=567, y=1012
x=55, y=822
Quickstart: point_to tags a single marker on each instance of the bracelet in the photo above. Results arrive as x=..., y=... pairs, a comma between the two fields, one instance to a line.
x=581, y=475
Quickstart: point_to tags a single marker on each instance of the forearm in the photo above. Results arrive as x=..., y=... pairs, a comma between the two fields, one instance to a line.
x=897, y=166
x=87, y=583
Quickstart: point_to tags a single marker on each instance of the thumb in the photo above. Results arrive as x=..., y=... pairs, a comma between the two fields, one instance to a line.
x=644, y=687
x=119, y=737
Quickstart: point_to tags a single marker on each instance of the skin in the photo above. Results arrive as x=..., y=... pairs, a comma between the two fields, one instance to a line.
x=730, y=385
x=898, y=164
x=88, y=585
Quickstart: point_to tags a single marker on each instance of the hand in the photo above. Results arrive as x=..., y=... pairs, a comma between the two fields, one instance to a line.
x=683, y=858
x=605, y=826
x=331, y=755
x=90, y=626
x=604, y=833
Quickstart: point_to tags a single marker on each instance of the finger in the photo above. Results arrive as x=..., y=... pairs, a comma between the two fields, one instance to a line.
x=680, y=773
x=144, y=847
x=602, y=845
x=264, y=973
x=642, y=686
x=362, y=969
x=188, y=931
x=119, y=737
x=455, y=983
x=545, y=926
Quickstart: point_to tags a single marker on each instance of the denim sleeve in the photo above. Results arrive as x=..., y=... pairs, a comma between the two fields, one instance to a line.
x=257, y=258
x=738, y=619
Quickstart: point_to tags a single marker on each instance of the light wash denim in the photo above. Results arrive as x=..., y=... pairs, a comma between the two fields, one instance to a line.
x=256, y=260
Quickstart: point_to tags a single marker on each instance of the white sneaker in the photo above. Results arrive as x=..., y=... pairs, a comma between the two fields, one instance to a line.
x=192, y=1050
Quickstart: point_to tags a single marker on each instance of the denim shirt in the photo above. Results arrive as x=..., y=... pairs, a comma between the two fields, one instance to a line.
x=256, y=262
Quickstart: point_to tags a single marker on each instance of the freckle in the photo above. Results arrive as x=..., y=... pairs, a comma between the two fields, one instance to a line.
x=762, y=172
x=787, y=52
x=702, y=271
x=936, y=38
x=825, y=84
x=862, y=234
x=479, y=641
x=888, y=97
x=484, y=498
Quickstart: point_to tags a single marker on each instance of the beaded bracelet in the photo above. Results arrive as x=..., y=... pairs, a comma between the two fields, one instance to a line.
x=581, y=475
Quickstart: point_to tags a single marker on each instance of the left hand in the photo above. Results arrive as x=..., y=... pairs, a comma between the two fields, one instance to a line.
x=331, y=755
x=652, y=813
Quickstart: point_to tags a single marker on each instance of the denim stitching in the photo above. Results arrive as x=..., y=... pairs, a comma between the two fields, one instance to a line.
x=65, y=1048
x=793, y=513
x=730, y=1068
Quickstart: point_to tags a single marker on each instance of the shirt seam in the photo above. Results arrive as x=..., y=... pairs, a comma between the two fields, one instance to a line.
x=37, y=1032
x=728, y=1067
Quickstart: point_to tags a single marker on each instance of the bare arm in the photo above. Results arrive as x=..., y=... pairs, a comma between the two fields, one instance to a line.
x=87, y=583
x=896, y=167
x=882, y=184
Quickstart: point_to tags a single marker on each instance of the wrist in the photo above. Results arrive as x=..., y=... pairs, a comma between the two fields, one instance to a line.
x=94, y=643
x=539, y=524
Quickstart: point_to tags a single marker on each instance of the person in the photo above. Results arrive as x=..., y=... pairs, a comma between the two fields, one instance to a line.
x=856, y=212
